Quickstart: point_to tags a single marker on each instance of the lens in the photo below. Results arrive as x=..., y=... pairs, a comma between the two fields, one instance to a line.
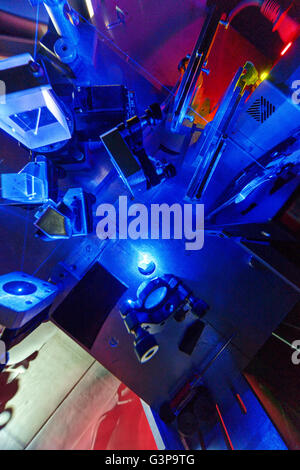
x=149, y=354
x=19, y=288
x=155, y=297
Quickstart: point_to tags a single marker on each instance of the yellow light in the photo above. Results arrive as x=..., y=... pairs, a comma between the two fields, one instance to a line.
x=89, y=4
x=264, y=75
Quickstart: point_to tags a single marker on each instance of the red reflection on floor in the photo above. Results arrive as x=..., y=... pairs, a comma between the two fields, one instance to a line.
x=125, y=427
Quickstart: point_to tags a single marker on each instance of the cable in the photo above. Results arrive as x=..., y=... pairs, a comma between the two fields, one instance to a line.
x=291, y=326
x=36, y=30
x=285, y=342
x=25, y=235
x=137, y=64
x=128, y=57
x=27, y=216
x=241, y=6
x=47, y=258
x=24, y=242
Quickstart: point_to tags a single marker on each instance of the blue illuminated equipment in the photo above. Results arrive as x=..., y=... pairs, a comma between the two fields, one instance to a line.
x=30, y=112
x=220, y=141
x=22, y=297
x=125, y=147
x=29, y=186
x=71, y=217
x=159, y=300
x=146, y=265
x=63, y=17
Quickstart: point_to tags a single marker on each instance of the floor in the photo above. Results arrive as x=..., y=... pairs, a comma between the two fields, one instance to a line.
x=54, y=395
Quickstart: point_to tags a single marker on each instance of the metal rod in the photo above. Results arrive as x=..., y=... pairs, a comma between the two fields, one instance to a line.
x=224, y=429
x=285, y=342
x=60, y=13
x=240, y=402
x=210, y=363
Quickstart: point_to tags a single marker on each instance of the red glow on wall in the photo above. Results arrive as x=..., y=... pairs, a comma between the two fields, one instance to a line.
x=124, y=427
